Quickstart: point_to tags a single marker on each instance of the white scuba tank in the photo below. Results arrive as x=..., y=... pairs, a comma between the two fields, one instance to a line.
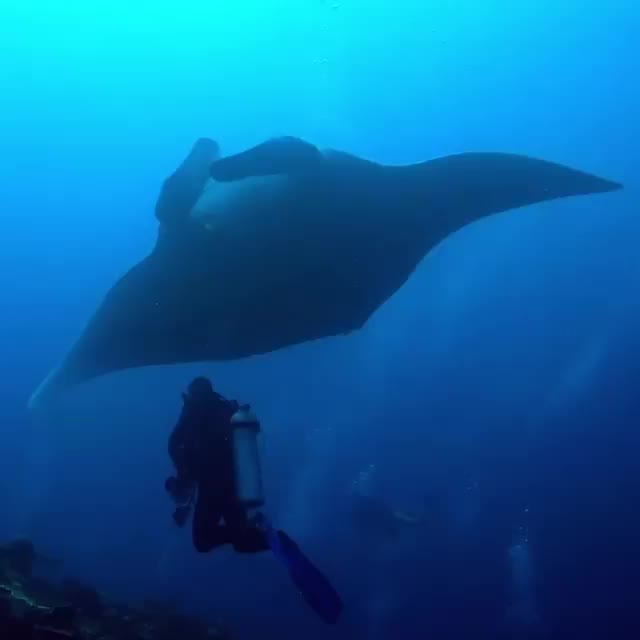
x=248, y=474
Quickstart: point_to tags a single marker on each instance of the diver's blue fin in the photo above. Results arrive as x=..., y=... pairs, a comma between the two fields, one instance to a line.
x=312, y=583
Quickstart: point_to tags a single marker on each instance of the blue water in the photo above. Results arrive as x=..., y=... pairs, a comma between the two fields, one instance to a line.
x=501, y=378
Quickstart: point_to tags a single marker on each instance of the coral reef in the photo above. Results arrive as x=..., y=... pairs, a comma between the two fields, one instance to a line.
x=34, y=609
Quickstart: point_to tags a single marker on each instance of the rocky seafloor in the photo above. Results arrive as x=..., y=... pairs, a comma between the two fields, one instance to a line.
x=35, y=609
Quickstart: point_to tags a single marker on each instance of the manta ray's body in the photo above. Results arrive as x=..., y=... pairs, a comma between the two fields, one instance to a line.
x=290, y=245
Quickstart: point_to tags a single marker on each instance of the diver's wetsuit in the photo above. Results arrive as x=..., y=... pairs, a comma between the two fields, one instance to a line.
x=201, y=449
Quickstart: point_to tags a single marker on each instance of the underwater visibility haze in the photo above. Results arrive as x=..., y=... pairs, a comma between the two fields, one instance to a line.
x=441, y=346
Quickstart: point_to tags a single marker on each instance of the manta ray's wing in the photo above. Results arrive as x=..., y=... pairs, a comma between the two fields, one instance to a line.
x=424, y=203
x=459, y=189
x=381, y=221
x=456, y=189
x=179, y=193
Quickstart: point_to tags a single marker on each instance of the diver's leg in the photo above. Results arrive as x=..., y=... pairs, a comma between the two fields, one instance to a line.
x=207, y=532
x=245, y=538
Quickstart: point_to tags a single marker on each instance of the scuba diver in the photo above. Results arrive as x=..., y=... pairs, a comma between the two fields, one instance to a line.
x=214, y=448
x=201, y=447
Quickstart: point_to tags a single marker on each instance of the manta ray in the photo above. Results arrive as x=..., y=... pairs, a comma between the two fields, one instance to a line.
x=286, y=243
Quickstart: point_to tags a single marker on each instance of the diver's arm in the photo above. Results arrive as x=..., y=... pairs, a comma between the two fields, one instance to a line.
x=176, y=445
x=182, y=486
x=276, y=156
x=179, y=441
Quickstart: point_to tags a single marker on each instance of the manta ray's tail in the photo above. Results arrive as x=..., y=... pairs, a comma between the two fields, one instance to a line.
x=469, y=186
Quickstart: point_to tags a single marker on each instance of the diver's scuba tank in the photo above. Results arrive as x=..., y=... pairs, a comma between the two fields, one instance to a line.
x=248, y=475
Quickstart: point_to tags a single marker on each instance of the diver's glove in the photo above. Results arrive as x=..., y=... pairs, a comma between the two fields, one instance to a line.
x=181, y=515
x=181, y=491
